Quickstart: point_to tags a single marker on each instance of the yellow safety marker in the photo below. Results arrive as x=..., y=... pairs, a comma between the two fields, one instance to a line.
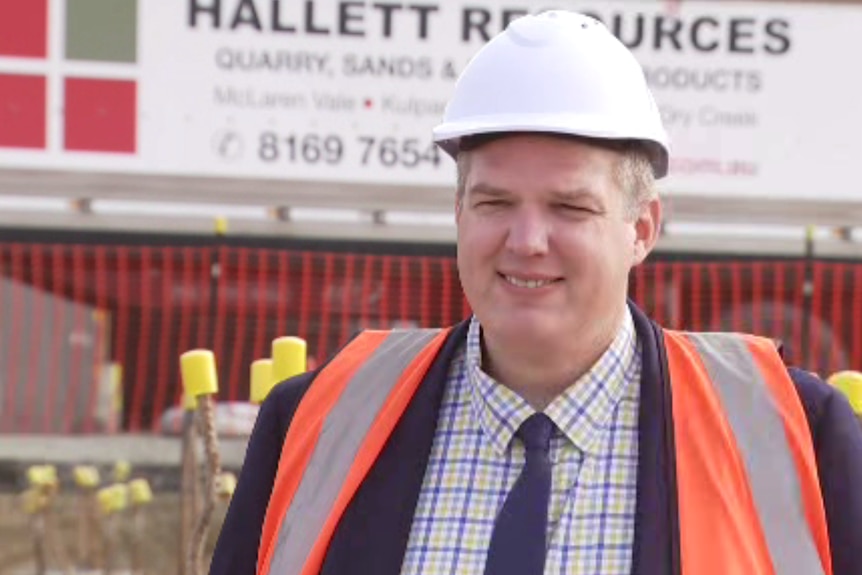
x=200, y=380
x=121, y=495
x=225, y=485
x=43, y=477
x=122, y=471
x=86, y=476
x=36, y=502
x=190, y=503
x=140, y=492
x=198, y=369
x=220, y=225
x=140, y=495
x=261, y=380
x=112, y=501
x=289, y=356
x=44, y=486
x=113, y=498
x=850, y=384
x=87, y=479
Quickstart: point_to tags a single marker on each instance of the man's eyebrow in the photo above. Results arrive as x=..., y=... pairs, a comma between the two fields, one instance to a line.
x=487, y=190
x=563, y=195
x=573, y=195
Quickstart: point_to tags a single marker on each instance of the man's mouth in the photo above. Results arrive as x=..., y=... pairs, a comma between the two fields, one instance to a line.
x=529, y=283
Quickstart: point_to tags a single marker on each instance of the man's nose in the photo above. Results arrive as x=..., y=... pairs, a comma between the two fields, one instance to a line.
x=528, y=234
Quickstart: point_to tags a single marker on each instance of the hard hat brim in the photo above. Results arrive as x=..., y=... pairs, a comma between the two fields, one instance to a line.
x=448, y=135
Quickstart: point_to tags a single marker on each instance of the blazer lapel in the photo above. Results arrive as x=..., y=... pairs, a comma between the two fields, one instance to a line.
x=373, y=533
x=656, y=545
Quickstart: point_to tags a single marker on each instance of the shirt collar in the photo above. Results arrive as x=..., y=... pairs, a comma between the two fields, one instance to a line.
x=583, y=412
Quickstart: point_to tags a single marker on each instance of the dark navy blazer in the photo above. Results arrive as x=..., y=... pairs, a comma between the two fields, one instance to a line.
x=372, y=536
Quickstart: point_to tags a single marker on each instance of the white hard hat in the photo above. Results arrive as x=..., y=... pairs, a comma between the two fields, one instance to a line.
x=555, y=72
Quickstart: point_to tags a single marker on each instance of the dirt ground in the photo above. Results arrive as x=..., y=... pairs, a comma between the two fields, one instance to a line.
x=155, y=547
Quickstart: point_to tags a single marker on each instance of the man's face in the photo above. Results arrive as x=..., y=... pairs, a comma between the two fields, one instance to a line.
x=545, y=239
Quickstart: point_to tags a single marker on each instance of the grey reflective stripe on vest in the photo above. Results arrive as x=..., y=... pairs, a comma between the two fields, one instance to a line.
x=343, y=432
x=762, y=440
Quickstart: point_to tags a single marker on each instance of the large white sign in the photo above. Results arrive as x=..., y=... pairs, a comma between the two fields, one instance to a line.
x=759, y=98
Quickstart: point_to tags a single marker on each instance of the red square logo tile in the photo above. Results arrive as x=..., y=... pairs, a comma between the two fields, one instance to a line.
x=24, y=28
x=100, y=115
x=22, y=111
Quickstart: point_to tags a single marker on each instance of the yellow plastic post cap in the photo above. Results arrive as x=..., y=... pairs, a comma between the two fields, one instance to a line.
x=122, y=470
x=289, y=355
x=850, y=384
x=220, y=225
x=43, y=476
x=261, y=380
x=225, y=485
x=198, y=369
x=35, y=475
x=113, y=498
x=86, y=476
x=140, y=492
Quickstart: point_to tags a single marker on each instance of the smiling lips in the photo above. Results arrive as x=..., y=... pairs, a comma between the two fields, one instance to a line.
x=529, y=282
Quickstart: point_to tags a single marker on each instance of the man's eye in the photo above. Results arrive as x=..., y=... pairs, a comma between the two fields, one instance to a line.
x=492, y=203
x=574, y=208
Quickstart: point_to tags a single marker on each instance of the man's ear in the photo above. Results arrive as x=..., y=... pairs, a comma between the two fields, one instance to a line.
x=647, y=230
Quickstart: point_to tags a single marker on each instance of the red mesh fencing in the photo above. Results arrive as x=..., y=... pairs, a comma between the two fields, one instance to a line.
x=69, y=311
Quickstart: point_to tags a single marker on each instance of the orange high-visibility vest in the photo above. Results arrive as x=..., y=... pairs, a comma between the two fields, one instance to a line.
x=747, y=487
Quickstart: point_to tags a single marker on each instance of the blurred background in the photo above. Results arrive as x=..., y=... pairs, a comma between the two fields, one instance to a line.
x=219, y=173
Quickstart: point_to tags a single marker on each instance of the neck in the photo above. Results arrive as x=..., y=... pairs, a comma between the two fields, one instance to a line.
x=540, y=370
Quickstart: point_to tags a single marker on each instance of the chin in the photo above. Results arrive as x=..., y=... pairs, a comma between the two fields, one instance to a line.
x=526, y=323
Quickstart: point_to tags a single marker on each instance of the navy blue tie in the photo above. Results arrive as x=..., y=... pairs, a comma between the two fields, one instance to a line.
x=518, y=542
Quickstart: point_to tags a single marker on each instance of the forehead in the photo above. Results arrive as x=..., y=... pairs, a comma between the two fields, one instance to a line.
x=536, y=160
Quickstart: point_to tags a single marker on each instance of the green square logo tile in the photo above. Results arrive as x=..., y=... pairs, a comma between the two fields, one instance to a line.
x=102, y=30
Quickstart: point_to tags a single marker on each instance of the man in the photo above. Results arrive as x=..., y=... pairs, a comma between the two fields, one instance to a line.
x=559, y=430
